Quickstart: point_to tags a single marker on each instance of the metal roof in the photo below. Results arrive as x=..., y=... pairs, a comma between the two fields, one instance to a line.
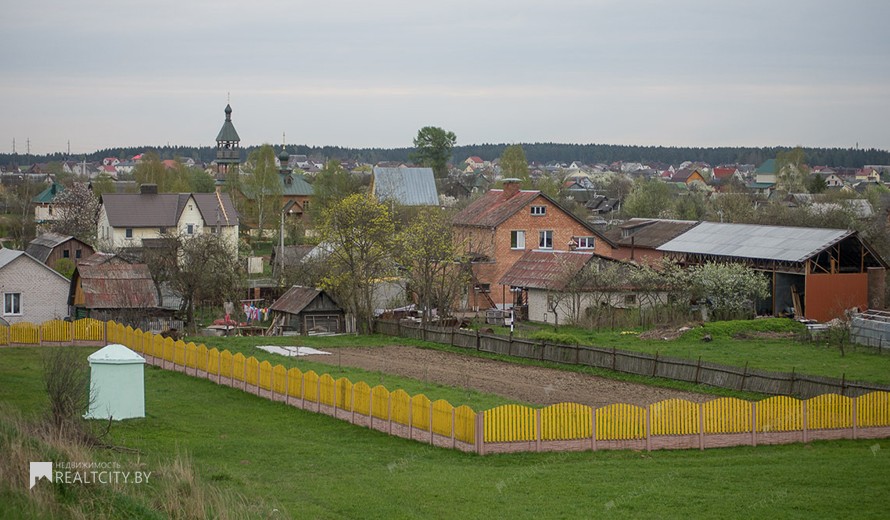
x=8, y=255
x=782, y=243
x=227, y=132
x=164, y=209
x=407, y=186
x=42, y=246
x=117, y=286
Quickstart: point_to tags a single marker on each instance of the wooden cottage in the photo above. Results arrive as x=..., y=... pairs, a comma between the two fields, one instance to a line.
x=305, y=310
x=49, y=248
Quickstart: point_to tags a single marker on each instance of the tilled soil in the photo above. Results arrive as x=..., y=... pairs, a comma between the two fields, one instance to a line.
x=525, y=383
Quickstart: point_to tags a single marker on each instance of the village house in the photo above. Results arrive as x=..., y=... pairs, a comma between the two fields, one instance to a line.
x=32, y=291
x=44, y=203
x=499, y=227
x=126, y=219
x=557, y=292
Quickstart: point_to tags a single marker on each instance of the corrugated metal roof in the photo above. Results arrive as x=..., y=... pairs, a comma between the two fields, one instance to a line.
x=49, y=194
x=649, y=233
x=164, y=209
x=407, y=186
x=42, y=246
x=296, y=299
x=492, y=209
x=782, y=243
x=8, y=255
x=545, y=269
x=117, y=286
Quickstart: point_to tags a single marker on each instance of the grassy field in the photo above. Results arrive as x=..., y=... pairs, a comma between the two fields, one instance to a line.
x=782, y=355
x=294, y=464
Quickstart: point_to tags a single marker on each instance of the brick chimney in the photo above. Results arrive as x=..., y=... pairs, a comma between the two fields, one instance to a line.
x=511, y=188
x=148, y=189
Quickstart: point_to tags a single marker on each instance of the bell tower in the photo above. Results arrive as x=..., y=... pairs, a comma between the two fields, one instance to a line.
x=228, y=149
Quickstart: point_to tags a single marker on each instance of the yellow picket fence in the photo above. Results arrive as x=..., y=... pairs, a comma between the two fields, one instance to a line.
x=85, y=330
x=503, y=424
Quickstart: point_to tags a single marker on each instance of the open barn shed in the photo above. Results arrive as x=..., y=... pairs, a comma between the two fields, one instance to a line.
x=817, y=272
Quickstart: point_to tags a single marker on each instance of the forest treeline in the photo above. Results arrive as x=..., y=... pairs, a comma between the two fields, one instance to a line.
x=534, y=152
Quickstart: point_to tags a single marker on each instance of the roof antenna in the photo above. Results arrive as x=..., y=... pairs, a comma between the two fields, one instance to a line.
x=228, y=98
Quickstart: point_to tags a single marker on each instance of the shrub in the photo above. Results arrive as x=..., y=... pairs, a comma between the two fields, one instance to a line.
x=555, y=337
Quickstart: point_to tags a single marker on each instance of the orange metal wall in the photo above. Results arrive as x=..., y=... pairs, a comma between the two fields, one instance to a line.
x=828, y=295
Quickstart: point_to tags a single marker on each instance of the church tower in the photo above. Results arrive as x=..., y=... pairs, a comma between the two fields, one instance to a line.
x=228, y=149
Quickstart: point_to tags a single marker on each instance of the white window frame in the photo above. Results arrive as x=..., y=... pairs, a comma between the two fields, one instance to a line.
x=586, y=242
x=517, y=239
x=545, y=237
x=16, y=299
x=538, y=211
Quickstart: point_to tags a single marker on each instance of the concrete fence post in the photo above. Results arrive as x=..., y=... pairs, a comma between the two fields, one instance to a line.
x=855, y=417
x=593, y=428
x=701, y=426
x=753, y=423
x=480, y=433
x=648, y=427
x=804, y=420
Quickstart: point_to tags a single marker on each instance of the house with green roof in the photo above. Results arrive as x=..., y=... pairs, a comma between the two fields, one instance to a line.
x=44, y=201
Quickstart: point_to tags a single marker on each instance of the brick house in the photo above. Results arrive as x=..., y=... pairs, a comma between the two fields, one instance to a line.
x=32, y=292
x=499, y=227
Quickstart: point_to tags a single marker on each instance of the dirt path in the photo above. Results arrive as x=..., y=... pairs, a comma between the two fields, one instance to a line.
x=525, y=383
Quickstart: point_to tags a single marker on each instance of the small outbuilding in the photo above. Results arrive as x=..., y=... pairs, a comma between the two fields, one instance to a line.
x=305, y=310
x=117, y=384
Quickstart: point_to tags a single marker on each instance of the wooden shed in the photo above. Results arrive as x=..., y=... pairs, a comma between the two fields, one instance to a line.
x=49, y=248
x=305, y=310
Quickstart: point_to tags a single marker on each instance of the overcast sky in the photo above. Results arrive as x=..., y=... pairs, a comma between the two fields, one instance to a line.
x=106, y=73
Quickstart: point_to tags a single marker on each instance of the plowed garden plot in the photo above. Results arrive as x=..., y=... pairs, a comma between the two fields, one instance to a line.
x=537, y=385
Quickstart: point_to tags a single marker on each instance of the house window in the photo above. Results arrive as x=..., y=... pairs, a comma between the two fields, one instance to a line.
x=78, y=253
x=189, y=229
x=12, y=304
x=129, y=232
x=483, y=288
x=584, y=242
x=630, y=299
x=539, y=210
x=545, y=239
x=66, y=254
x=517, y=240
x=162, y=231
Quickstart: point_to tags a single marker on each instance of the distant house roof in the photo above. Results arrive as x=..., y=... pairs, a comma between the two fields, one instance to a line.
x=781, y=243
x=42, y=246
x=768, y=167
x=116, y=286
x=294, y=184
x=724, y=173
x=164, y=209
x=407, y=186
x=296, y=299
x=49, y=194
x=99, y=258
x=649, y=233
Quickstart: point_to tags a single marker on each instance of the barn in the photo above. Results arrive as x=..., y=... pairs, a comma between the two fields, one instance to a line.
x=814, y=272
x=305, y=310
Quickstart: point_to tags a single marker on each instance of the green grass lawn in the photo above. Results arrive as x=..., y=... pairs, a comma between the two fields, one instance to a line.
x=781, y=355
x=312, y=466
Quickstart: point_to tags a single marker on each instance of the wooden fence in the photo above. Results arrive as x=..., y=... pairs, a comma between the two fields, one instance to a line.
x=670, y=424
x=698, y=372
